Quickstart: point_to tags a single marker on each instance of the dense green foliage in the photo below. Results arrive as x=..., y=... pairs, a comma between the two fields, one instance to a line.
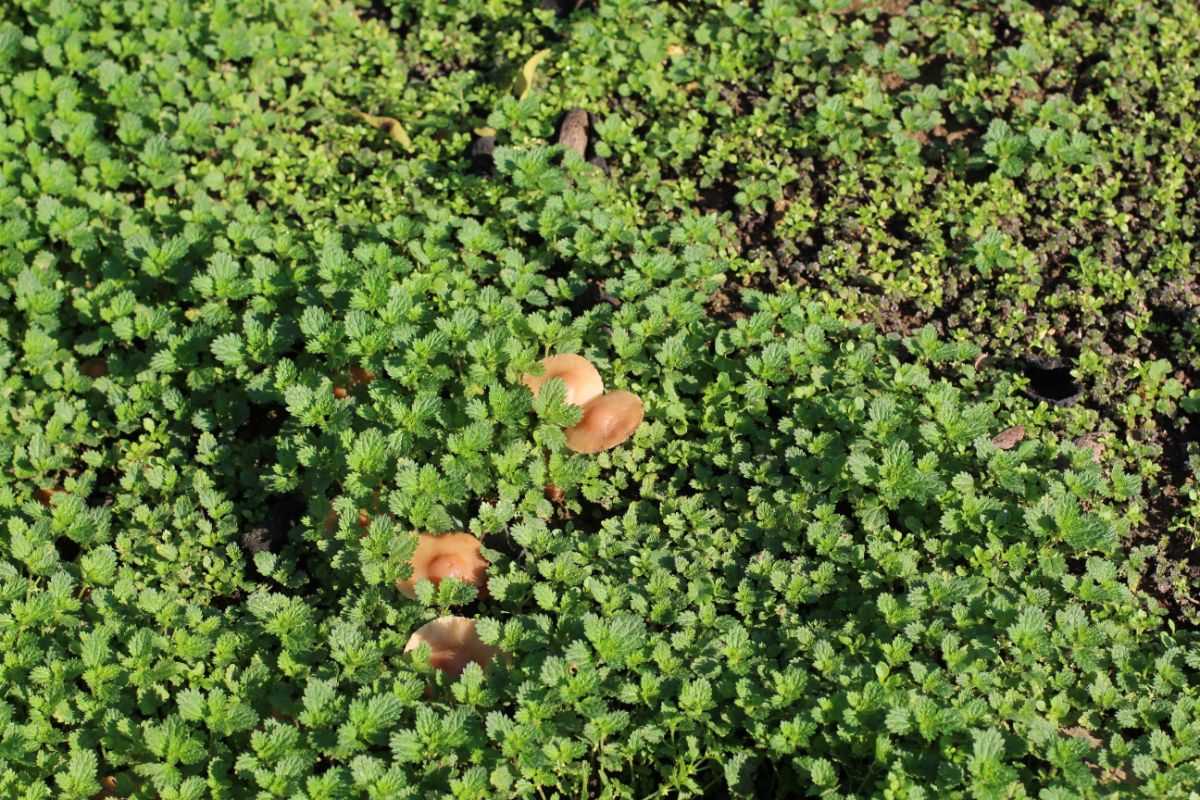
x=810, y=571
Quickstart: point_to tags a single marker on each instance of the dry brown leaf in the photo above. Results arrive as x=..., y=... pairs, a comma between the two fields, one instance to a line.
x=528, y=72
x=1115, y=775
x=1091, y=441
x=1008, y=439
x=573, y=133
x=389, y=125
x=1082, y=733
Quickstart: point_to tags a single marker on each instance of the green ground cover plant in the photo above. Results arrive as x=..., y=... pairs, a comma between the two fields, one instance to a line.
x=907, y=290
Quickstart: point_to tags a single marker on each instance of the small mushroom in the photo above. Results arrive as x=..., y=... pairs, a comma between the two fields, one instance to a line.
x=94, y=367
x=607, y=421
x=582, y=379
x=364, y=516
x=108, y=788
x=358, y=375
x=46, y=496
x=454, y=642
x=444, y=556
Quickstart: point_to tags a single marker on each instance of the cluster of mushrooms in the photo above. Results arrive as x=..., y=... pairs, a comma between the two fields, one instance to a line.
x=608, y=420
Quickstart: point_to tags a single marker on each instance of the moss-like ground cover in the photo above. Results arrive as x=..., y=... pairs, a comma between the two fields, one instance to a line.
x=908, y=290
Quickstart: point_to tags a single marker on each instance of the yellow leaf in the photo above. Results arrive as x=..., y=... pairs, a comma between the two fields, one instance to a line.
x=389, y=125
x=485, y=132
x=528, y=72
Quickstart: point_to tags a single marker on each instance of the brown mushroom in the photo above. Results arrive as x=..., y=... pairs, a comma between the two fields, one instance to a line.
x=454, y=642
x=364, y=516
x=108, y=788
x=582, y=379
x=607, y=421
x=444, y=556
x=46, y=496
x=94, y=367
x=358, y=375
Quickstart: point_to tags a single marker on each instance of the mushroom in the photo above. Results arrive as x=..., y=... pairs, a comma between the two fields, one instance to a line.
x=364, y=516
x=607, y=421
x=46, y=496
x=94, y=367
x=447, y=555
x=358, y=375
x=454, y=642
x=582, y=379
x=108, y=788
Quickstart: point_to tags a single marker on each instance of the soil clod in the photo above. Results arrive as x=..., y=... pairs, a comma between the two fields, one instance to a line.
x=482, y=162
x=271, y=534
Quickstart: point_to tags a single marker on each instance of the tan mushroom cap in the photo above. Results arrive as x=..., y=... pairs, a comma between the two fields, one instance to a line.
x=444, y=556
x=583, y=380
x=607, y=421
x=454, y=642
x=364, y=516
